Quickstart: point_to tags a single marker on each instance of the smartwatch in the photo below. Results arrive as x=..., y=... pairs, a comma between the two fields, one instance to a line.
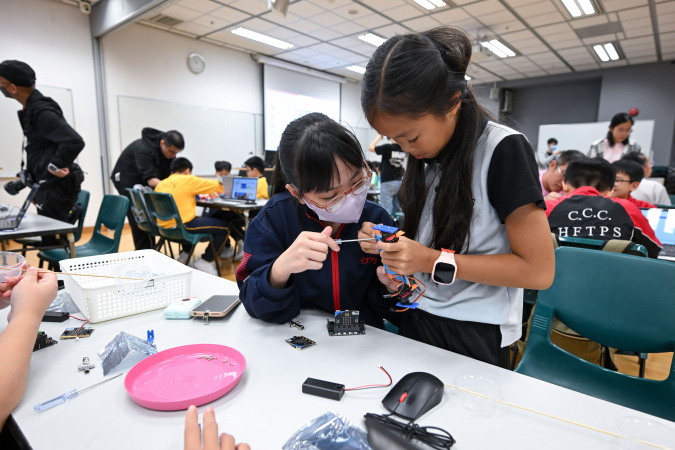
x=445, y=268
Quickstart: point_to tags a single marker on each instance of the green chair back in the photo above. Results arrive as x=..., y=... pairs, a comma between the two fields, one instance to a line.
x=672, y=198
x=162, y=206
x=112, y=213
x=622, y=246
x=83, y=200
x=596, y=294
x=141, y=214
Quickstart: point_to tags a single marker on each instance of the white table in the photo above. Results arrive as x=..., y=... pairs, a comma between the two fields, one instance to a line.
x=36, y=225
x=267, y=406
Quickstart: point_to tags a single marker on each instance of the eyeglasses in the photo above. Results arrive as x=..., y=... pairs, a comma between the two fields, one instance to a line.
x=337, y=202
x=560, y=171
x=621, y=181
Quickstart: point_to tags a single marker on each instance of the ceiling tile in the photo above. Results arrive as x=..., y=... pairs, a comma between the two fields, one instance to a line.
x=665, y=8
x=279, y=19
x=259, y=25
x=483, y=8
x=634, y=13
x=352, y=11
x=666, y=23
x=555, y=30
x=305, y=26
x=227, y=37
x=517, y=3
x=545, y=19
x=505, y=27
x=193, y=28
x=617, y=5
x=301, y=40
x=599, y=39
x=305, y=9
x=530, y=48
x=536, y=9
x=390, y=30
x=589, y=21
x=326, y=19
x=496, y=18
x=202, y=6
x=179, y=12
x=326, y=34
x=328, y=4
x=403, y=12
x=422, y=23
x=347, y=28
x=211, y=23
x=636, y=32
x=644, y=23
x=229, y=15
x=381, y=5
x=643, y=60
x=589, y=66
x=372, y=21
x=249, y=6
x=450, y=16
x=518, y=36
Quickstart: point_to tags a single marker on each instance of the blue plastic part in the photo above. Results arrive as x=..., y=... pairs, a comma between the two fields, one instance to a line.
x=385, y=228
x=151, y=336
x=410, y=306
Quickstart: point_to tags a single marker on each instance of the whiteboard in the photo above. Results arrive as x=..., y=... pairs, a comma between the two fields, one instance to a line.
x=580, y=136
x=210, y=134
x=11, y=133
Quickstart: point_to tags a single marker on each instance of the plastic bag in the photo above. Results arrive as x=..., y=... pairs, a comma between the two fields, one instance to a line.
x=64, y=303
x=329, y=431
x=117, y=349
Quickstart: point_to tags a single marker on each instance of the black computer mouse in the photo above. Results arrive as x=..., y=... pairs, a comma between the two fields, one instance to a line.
x=414, y=395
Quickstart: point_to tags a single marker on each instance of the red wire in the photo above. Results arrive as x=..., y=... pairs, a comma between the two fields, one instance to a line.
x=73, y=317
x=373, y=385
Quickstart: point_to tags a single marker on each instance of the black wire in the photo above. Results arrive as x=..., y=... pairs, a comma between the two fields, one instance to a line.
x=411, y=430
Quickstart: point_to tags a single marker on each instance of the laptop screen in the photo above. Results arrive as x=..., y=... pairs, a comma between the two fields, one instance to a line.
x=226, y=181
x=663, y=223
x=244, y=188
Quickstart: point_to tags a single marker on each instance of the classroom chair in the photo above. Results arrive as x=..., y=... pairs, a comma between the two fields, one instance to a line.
x=145, y=222
x=163, y=207
x=621, y=301
x=36, y=242
x=111, y=214
x=566, y=337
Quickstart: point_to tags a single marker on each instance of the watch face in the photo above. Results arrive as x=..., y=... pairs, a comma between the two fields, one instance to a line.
x=444, y=273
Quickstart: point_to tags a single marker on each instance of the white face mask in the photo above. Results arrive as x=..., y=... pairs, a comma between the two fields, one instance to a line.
x=349, y=212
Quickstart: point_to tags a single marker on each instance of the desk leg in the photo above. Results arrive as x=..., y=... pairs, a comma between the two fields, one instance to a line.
x=71, y=244
x=4, y=245
x=245, y=219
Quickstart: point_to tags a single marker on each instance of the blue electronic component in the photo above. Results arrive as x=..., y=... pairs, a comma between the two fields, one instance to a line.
x=385, y=228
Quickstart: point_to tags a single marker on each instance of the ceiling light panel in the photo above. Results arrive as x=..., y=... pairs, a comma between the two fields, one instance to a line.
x=372, y=39
x=243, y=32
x=578, y=8
x=357, y=69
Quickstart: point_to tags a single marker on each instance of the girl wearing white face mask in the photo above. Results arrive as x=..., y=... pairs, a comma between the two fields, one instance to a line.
x=291, y=260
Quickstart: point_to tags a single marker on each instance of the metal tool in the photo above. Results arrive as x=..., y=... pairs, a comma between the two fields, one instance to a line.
x=342, y=241
x=67, y=396
x=296, y=325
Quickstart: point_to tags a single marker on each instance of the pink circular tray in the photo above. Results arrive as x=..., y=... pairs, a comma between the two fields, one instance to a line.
x=176, y=378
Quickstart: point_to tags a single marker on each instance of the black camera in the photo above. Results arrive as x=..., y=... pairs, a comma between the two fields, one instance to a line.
x=16, y=186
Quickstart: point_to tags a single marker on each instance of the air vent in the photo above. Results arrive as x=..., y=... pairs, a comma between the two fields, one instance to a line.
x=599, y=30
x=165, y=20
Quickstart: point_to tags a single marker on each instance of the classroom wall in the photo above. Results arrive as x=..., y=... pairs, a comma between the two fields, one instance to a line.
x=143, y=62
x=54, y=38
x=572, y=102
x=648, y=87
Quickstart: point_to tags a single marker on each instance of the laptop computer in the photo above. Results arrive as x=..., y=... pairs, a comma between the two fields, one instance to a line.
x=226, y=181
x=244, y=189
x=12, y=222
x=662, y=222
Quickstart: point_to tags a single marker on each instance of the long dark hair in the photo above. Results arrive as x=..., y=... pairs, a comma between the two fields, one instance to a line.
x=308, y=153
x=414, y=75
x=618, y=119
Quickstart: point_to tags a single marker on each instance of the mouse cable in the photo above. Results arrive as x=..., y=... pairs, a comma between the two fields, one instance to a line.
x=372, y=386
x=439, y=440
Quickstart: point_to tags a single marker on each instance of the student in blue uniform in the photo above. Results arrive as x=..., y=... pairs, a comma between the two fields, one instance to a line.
x=291, y=260
x=475, y=227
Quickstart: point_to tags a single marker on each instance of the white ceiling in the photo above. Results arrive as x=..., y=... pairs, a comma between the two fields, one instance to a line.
x=546, y=38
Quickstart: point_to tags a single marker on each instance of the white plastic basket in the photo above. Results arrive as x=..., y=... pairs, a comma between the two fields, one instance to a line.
x=100, y=299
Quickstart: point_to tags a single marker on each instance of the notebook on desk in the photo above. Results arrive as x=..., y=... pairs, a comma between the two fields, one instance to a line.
x=12, y=221
x=662, y=222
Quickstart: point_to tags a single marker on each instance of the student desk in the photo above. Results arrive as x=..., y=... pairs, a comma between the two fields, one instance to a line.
x=267, y=406
x=233, y=205
x=36, y=225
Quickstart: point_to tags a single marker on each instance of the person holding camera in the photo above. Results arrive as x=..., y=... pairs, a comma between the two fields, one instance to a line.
x=146, y=162
x=51, y=146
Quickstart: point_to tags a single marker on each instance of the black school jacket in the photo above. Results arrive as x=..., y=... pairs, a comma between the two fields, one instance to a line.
x=50, y=138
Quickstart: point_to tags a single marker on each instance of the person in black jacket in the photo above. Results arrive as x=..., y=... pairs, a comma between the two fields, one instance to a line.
x=146, y=162
x=51, y=144
x=291, y=259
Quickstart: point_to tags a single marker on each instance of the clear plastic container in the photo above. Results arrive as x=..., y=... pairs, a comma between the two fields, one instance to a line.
x=478, y=393
x=10, y=265
x=142, y=272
